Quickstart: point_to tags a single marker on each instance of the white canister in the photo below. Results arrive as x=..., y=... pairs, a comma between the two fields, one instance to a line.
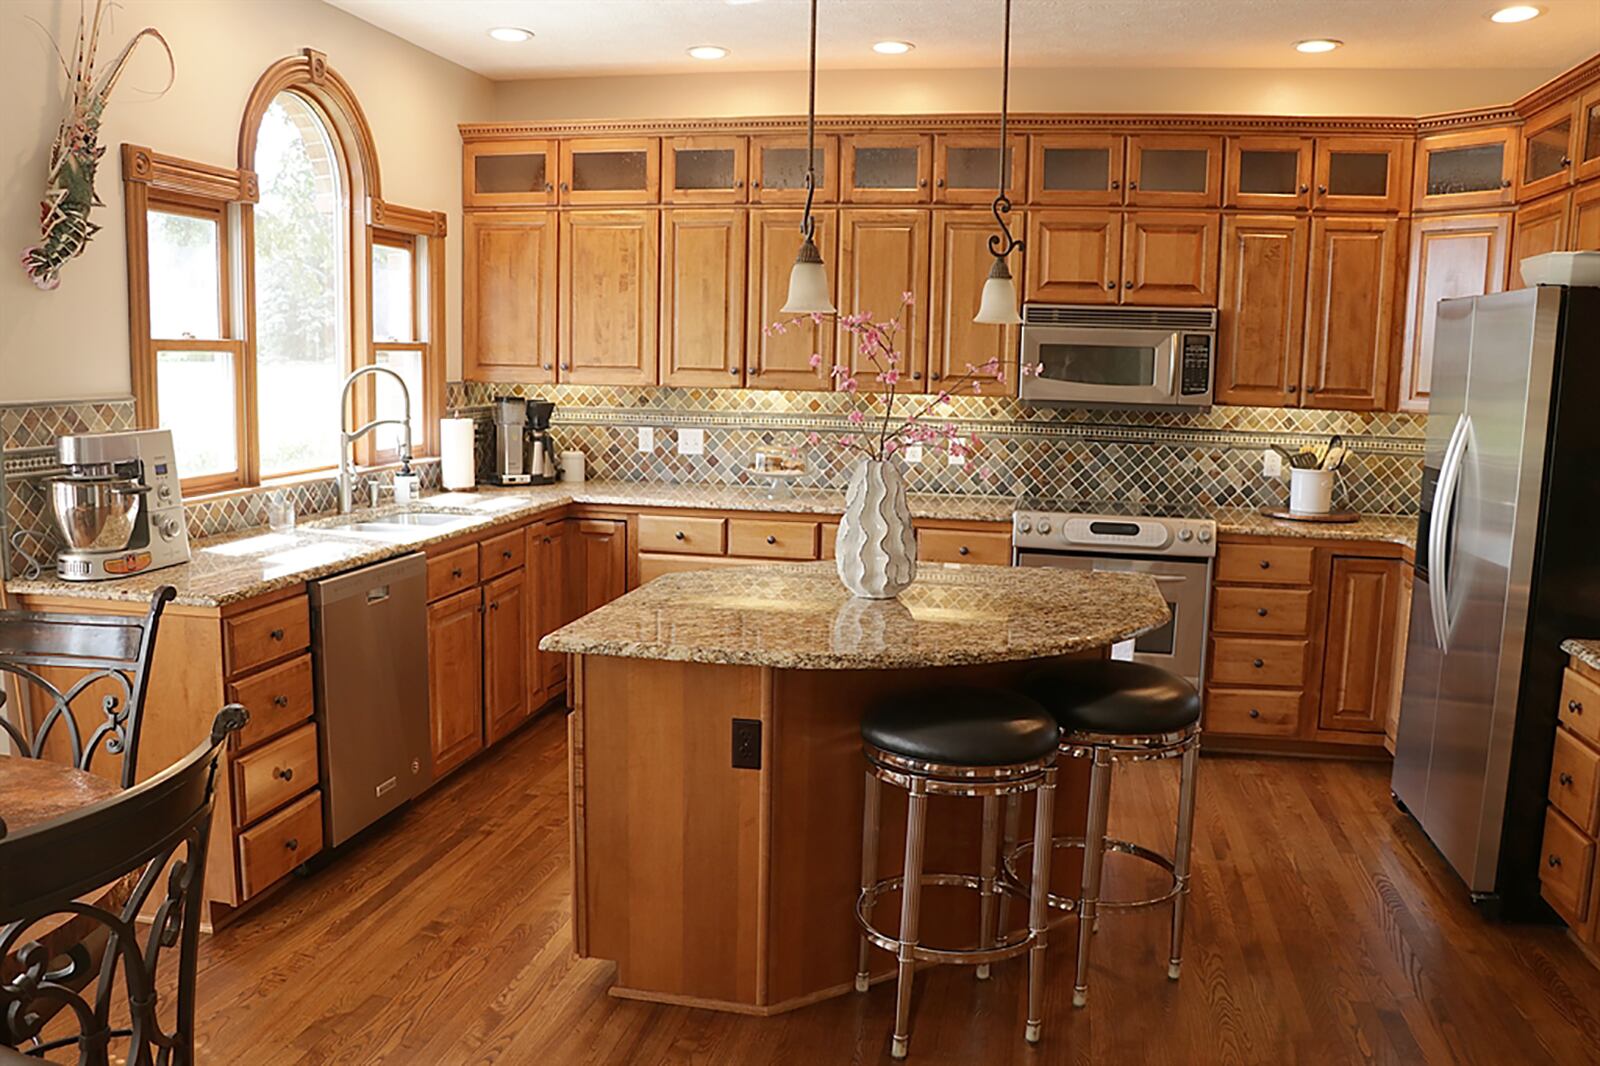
x=1311, y=491
x=572, y=467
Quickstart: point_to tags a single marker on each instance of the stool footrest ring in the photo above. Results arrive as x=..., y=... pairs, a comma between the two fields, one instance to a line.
x=923, y=952
x=1011, y=883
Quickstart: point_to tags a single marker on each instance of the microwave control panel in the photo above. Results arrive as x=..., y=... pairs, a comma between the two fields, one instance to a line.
x=1195, y=372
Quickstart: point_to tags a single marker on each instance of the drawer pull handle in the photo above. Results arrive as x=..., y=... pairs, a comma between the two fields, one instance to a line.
x=1254, y=713
x=1554, y=861
x=964, y=550
x=1258, y=664
x=678, y=535
x=456, y=573
x=1261, y=612
x=1575, y=706
x=1565, y=779
x=285, y=773
x=276, y=634
x=1266, y=564
x=506, y=554
x=280, y=701
x=771, y=539
x=494, y=605
x=293, y=843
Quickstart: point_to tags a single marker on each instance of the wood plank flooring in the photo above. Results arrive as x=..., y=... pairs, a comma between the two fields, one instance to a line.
x=1324, y=929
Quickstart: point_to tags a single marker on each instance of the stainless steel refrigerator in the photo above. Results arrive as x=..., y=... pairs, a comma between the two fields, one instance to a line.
x=1507, y=566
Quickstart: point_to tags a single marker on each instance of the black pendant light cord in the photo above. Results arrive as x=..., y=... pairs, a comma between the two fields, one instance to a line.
x=807, y=224
x=1001, y=244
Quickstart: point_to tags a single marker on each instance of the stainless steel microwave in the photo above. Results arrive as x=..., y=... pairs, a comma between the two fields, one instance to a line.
x=1159, y=357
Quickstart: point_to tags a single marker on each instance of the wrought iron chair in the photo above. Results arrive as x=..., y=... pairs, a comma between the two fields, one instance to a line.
x=161, y=827
x=106, y=648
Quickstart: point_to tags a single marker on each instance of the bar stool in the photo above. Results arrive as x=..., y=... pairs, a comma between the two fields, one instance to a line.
x=1109, y=711
x=956, y=742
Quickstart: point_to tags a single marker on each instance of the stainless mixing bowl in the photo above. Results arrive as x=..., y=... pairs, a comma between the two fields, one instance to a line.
x=96, y=513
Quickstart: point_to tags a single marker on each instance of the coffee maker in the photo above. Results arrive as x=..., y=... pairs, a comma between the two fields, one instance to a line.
x=509, y=464
x=119, y=506
x=541, y=462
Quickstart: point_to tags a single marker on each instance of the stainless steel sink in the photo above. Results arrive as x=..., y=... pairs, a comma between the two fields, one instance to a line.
x=405, y=522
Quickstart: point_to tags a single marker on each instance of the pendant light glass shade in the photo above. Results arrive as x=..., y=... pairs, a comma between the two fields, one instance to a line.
x=998, y=306
x=808, y=284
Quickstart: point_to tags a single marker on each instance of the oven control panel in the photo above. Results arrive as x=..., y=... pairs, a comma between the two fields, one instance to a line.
x=1114, y=534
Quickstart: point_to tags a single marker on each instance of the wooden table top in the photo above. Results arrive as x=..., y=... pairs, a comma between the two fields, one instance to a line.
x=34, y=790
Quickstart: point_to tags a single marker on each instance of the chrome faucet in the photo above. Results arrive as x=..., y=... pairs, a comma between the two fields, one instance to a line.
x=349, y=437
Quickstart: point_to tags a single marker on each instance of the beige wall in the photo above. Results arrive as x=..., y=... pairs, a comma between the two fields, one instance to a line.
x=73, y=343
x=1280, y=92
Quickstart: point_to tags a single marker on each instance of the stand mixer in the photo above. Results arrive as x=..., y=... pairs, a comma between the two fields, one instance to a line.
x=119, y=506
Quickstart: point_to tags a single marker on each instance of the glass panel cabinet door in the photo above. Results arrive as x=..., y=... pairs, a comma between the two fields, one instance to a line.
x=1362, y=174
x=703, y=170
x=611, y=170
x=1474, y=169
x=508, y=173
x=1547, y=151
x=1075, y=168
x=966, y=168
x=886, y=168
x=778, y=169
x=1269, y=173
x=1174, y=171
x=1589, y=136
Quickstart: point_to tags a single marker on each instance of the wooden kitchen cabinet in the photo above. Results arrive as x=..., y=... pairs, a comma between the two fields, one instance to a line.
x=1350, y=307
x=1538, y=228
x=513, y=173
x=966, y=168
x=505, y=654
x=548, y=584
x=1169, y=258
x=1588, y=140
x=704, y=170
x=1477, y=168
x=886, y=168
x=1074, y=256
x=609, y=297
x=1451, y=255
x=1174, y=170
x=1075, y=168
x=1359, y=672
x=508, y=306
x=1584, y=232
x=703, y=296
x=1269, y=173
x=776, y=360
x=1362, y=174
x=1549, y=149
x=455, y=679
x=883, y=254
x=1261, y=308
x=960, y=267
x=610, y=170
x=597, y=563
x=778, y=169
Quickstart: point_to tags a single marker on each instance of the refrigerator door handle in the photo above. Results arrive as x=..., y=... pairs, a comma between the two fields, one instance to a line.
x=1438, y=529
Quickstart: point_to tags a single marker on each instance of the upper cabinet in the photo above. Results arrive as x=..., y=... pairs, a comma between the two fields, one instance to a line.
x=1350, y=312
x=519, y=173
x=1074, y=256
x=1170, y=258
x=1173, y=170
x=1269, y=173
x=608, y=297
x=883, y=254
x=886, y=168
x=775, y=360
x=1538, y=228
x=704, y=170
x=1457, y=255
x=1262, y=309
x=1589, y=135
x=702, y=296
x=1075, y=168
x=966, y=167
x=508, y=296
x=778, y=169
x=1362, y=174
x=1548, y=150
x=1584, y=233
x=1465, y=170
x=610, y=170
x=960, y=267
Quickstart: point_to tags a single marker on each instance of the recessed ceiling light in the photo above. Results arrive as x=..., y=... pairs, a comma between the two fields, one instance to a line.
x=1317, y=44
x=893, y=48
x=1516, y=13
x=708, y=51
x=511, y=34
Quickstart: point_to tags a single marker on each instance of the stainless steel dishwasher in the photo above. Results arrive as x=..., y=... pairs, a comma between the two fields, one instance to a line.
x=369, y=631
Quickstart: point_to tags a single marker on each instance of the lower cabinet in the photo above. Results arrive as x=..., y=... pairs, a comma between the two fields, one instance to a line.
x=547, y=591
x=1359, y=673
x=455, y=679
x=1567, y=861
x=597, y=563
x=505, y=654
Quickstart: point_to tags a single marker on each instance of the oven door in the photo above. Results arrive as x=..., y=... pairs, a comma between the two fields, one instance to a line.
x=1122, y=367
x=1179, y=647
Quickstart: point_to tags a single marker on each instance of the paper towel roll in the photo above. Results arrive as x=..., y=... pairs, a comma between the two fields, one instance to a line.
x=456, y=459
x=572, y=464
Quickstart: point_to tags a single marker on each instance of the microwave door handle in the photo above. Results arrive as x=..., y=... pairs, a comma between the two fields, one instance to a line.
x=1167, y=368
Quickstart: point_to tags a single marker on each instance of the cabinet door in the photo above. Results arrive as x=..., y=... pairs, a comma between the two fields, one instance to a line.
x=776, y=360
x=1538, y=228
x=1169, y=258
x=610, y=170
x=1074, y=256
x=1474, y=169
x=505, y=654
x=597, y=563
x=1359, y=672
x=1362, y=174
x=960, y=267
x=455, y=664
x=778, y=169
x=609, y=299
x=1548, y=148
x=702, y=296
x=519, y=173
x=508, y=306
x=1351, y=309
x=1075, y=168
x=547, y=555
x=1589, y=135
x=1269, y=173
x=1174, y=170
x=1461, y=255
x=1262, y=309
x=1584, y=233
x=704, y=170
x=886, y=168
x=883, y=254
x=966, y=168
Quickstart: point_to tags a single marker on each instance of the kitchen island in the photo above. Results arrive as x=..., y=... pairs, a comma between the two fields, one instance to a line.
x=716, y=768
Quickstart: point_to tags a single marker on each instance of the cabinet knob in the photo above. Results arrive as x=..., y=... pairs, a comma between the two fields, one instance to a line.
x=1111, y=285
x=280, y=701
x=1575, y=706
x=566, y=366
x=1304, y=187
x=1505, y=183
x=755, y=184
x=1266, y=564
x=916, y=375
x=1261, y=612
x=276, y=634
x=678, y=535
x=1322, y=190
x=506, y=554
x=734, y=371
x=755, y=371
x=963, y=550
x=1254, y=713
x=940, y=183
x=738, y=183
x=1311, y=388
x=548, y=188
x=1258, y=664
x=1128, y=284
x=564, y=187
x=1292, y=389
x=935, y=375
x=922, y=183
x=1132, y=185
x=1115, y=184
x=1553, y=861
x=771, y=539
x=1566, y=161
x=283, y=773
x=292, y=844
x=1565, y=779
x=456, y=573
x=494, y=605
x=547, y=366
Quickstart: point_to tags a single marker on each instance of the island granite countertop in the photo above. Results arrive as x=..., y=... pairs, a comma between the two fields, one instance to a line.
x=797, y=616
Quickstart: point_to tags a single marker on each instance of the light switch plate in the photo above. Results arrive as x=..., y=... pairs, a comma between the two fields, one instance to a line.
x=1271, y=464
x=647, y=438
x=952, y=458
x=913, y=453
x=691, y=442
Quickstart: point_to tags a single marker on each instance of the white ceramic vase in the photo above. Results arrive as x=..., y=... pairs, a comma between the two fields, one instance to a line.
x=876, y=551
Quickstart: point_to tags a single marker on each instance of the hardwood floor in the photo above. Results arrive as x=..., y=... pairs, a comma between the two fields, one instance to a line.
x=1324, y=930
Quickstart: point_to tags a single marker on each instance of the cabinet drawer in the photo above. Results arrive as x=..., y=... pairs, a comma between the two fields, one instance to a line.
x=1575, y=781
x=1580, y=706
x=1266, y=714
x=270, y=850
x=682, y=536
x=273, y=774
x=451, y=572
x=1239, y=661
x=502, y=553
x=963, y=546
x=828, y=534
x=1244, y=610
x=257, y=637
x=1266, y=564
x=277, y=698
x=1566, y=866
x=772, y=539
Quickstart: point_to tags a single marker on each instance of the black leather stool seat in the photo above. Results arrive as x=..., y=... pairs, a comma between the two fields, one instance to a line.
x=1116, y=697
x=963, y=727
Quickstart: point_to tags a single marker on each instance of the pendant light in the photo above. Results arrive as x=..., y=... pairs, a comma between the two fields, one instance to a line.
x=998, y=306
x=808, y=281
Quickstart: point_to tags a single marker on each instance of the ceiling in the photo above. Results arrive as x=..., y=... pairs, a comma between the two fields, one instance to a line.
x=598, y=37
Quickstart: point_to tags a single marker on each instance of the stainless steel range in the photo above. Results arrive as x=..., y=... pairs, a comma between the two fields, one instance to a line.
x=1176, y=550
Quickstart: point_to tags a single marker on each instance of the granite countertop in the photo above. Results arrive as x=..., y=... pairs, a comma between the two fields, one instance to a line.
x=797, y=616
x=1395, y=529
x=1586, y=652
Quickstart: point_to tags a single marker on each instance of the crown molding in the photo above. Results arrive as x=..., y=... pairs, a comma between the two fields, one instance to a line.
x=1567, y=83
